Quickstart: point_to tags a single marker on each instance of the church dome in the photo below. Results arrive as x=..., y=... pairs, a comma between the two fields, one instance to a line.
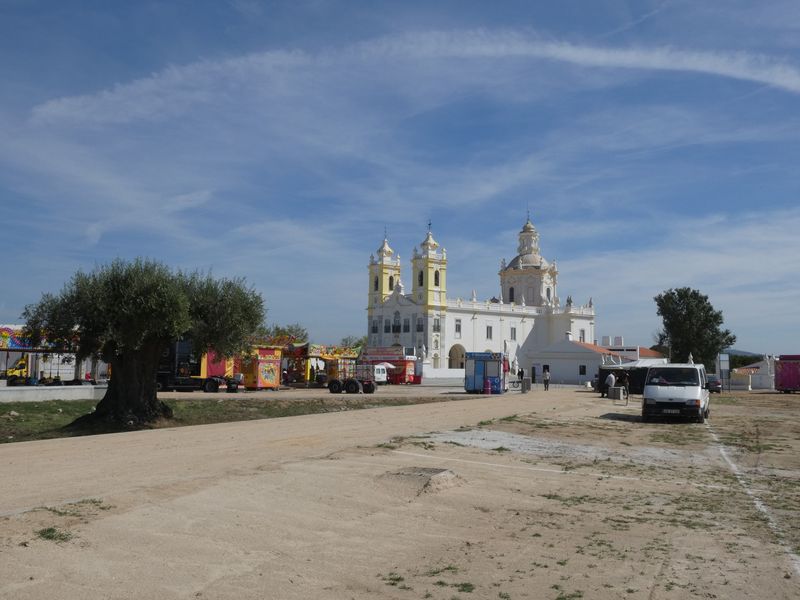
x=528, y=250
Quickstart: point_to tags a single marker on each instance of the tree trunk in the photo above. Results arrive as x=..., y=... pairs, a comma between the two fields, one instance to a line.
x=131, y=398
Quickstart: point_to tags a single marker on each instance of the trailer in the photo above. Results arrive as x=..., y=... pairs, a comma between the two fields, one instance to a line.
x=348, y=376
x=180, y=369
x=787, y=373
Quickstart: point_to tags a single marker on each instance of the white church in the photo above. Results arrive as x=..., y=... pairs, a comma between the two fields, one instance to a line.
x=526, y=321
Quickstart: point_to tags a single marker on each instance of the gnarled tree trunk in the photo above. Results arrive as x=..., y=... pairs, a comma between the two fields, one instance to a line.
x=131, y=398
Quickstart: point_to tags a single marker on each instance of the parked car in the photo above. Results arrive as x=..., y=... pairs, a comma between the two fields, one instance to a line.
x=714, y=384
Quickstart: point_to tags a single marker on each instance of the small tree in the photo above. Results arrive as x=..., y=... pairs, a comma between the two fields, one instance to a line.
x=282, y=335
x=352, y=341
x=691, y=326
x=128, y=313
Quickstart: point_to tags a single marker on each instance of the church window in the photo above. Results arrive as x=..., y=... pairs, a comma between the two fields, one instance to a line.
x=511, y=294
x=420, y=324
x=488, y=332
x=436, y=278
x=421, y=278
x=582, y=336
x=437, y=327
x=374, y=325
x=391, y=283
x=406, y=325
x=375, y=284
x=458, y=328
x=513, y=333
x=396, y=324
x=548, y=294
x=387, y=326
x=581, y=369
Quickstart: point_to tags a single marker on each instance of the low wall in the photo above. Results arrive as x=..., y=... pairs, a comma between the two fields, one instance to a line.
x=56, y=392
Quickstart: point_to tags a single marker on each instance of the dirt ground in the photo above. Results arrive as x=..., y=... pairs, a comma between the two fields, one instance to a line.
x=558, y=495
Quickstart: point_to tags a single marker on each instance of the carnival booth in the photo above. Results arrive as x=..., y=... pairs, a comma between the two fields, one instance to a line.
x=401, y=367
x=310, y=364
x=262, y=369
x=485, y=372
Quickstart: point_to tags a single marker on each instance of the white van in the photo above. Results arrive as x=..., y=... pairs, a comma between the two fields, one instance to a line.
x=676, y=389
x=381, y=375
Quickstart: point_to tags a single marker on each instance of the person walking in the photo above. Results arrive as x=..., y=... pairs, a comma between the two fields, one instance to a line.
x=624, y=383
x=546, y=379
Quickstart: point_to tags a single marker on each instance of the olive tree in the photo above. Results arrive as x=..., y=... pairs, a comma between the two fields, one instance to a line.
x=691, y=326
x=128, y=314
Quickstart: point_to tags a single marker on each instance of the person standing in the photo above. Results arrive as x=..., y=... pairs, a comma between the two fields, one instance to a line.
x=610, y=381
x=546, y=379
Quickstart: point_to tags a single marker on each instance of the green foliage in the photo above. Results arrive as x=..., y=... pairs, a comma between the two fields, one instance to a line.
x=743, y=360
x=691, y=325
x=124, y=306
x=352, y=341
x=281, y=335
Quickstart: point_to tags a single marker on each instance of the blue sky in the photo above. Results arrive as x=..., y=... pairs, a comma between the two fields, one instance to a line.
x=654, y=143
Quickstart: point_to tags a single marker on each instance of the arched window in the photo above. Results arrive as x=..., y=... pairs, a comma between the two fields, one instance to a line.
x=420, y=278
x=511, y=294
x=391, y=284
x=548, y=294
x=436, y=278
x=375, y=285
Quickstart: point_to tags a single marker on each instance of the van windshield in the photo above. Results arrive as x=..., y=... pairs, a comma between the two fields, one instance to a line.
x=683, y=377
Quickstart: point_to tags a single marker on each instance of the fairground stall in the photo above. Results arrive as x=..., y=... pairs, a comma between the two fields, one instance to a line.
x=313, y=364
x=23, y=364
x=400, y=366
x=486, y=372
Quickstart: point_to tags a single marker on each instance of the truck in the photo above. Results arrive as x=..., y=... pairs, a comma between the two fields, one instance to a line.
x=351, y=377
x=180, y=369
x=17, y=374
x=787, y=373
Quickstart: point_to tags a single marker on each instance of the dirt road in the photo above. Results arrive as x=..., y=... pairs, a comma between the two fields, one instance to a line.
x=559, y=495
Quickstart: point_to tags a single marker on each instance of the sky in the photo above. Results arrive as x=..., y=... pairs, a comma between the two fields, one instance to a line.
x=655, y=145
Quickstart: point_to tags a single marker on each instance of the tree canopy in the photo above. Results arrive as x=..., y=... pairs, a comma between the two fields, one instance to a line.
x=282, y=335
x=128, y=313
x=691, y=325
x=352, y=341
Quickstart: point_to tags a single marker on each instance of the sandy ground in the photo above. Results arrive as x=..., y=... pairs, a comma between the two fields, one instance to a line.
x=560, y=495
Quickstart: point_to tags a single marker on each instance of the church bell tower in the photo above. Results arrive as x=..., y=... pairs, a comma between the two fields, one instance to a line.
x=384, y=274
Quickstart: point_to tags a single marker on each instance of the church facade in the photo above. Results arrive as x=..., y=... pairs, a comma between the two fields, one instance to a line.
x=526, y=317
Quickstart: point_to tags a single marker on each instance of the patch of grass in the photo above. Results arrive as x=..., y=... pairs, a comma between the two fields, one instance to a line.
x=466, y=587
x=501, y=449
x=570, y=596
x=447, y=569
x=54, y=534
x=40, y=420
x=485, y=423
x=510, y=418
x=392, y=579
x=47, y=420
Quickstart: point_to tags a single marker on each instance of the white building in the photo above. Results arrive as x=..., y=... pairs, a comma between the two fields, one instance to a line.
x=526, y=317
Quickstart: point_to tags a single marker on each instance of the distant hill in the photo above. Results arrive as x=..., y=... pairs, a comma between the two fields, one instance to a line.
x=735, y=352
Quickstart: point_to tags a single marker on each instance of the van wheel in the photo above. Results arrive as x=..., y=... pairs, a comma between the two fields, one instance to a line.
x=701, y=418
